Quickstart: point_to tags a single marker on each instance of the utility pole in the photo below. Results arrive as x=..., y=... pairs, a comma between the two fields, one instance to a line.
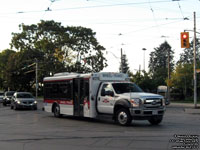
x=169, y=78
x=144, y=49
x=36, y=78
x=195, y=75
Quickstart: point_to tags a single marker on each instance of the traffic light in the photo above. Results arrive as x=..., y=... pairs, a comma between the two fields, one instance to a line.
x=185, y=43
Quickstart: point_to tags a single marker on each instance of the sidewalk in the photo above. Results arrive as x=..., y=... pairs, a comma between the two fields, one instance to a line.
x=188, y=108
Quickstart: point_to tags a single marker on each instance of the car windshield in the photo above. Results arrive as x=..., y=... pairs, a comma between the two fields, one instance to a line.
x=126, y=88
x=10, y=93
x=24, y=95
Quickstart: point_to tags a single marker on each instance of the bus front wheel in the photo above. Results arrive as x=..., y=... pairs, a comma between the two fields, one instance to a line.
x=123, y=117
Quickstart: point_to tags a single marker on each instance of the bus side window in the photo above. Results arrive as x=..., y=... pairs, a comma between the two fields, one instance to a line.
x=55, y=91
x=47, y=90
x=65, y=90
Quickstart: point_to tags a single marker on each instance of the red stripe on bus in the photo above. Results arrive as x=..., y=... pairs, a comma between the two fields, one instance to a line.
x=65, y=102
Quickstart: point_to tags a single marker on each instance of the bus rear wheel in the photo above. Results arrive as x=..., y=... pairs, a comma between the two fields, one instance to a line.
x=56, y=111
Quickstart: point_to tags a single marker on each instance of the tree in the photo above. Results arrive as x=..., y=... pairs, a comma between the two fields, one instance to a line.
x=182, y=78
x=57, y=48
x=124, y=68
x=55, y=40
x=158, y=65
x=143, y=80
x=4, y=57
x=20, y=70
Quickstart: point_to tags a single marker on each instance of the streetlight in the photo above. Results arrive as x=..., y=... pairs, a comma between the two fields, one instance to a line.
x=144, y=49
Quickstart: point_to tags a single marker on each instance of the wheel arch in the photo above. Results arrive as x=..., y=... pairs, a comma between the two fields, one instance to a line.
x=122, y=103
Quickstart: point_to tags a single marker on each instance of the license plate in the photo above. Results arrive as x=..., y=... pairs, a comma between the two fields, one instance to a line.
x=155, y=112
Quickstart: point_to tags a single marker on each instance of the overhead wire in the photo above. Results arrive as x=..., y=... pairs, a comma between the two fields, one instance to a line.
x=154, y=18
x=112, y=5
x=48, y=8
x=94, y=6
x=152, y=27
x=181, y=10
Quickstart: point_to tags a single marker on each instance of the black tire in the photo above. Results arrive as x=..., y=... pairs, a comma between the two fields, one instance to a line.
x=156, y=120
x=123, y=117
x=4, y=104
x=11, y=106
x=56, y=111
x=15, y=107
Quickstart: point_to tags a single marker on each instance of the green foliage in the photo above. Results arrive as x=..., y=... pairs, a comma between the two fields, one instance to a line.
x=124, y=68
x=4, y=57
x=182, y=78
x=57, y=49
x=158, y=64
x=59, y=44
x=143, y=80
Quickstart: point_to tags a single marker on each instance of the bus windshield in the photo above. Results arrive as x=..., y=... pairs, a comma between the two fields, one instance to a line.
x=126, y=88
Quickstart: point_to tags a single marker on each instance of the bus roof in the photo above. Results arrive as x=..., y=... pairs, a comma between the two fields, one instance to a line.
x=103, y=76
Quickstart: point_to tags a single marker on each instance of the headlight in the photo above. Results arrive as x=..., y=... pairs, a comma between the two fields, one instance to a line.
x=135, y=102
x=18, y=102
x=35, y=102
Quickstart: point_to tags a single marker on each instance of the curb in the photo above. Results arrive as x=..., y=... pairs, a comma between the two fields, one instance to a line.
x=188, y=108
x=192, y=111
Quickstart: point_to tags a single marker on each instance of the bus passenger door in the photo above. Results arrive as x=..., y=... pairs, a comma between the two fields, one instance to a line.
x=78, y=96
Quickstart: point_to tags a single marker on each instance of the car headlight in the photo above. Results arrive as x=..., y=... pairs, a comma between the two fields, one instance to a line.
x=163, y=102
x=18, y=102
x=135, y=102
x=35, y=102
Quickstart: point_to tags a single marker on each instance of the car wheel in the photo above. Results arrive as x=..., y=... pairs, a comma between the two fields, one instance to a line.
x=123, y=117
x=15, y=107
x=35, y=108
x=11, y=106
x=56, y=111
x=156, y=120
x=4, y=104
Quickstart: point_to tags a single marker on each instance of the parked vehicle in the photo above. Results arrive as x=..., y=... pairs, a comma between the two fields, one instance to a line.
x=99, y=94
x=1, y=97
x=23, y=100
x=7, y=97
x=162, y=90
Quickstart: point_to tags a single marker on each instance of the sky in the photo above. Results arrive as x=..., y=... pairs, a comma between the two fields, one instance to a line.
x=130, y=25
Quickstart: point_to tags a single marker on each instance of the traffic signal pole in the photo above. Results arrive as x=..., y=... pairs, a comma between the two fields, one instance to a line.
x=195, y=74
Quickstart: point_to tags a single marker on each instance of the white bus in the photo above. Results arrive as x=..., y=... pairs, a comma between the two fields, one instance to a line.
x=95, y=94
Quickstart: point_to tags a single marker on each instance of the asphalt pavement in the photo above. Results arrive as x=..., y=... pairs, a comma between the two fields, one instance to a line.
x=39, y=130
